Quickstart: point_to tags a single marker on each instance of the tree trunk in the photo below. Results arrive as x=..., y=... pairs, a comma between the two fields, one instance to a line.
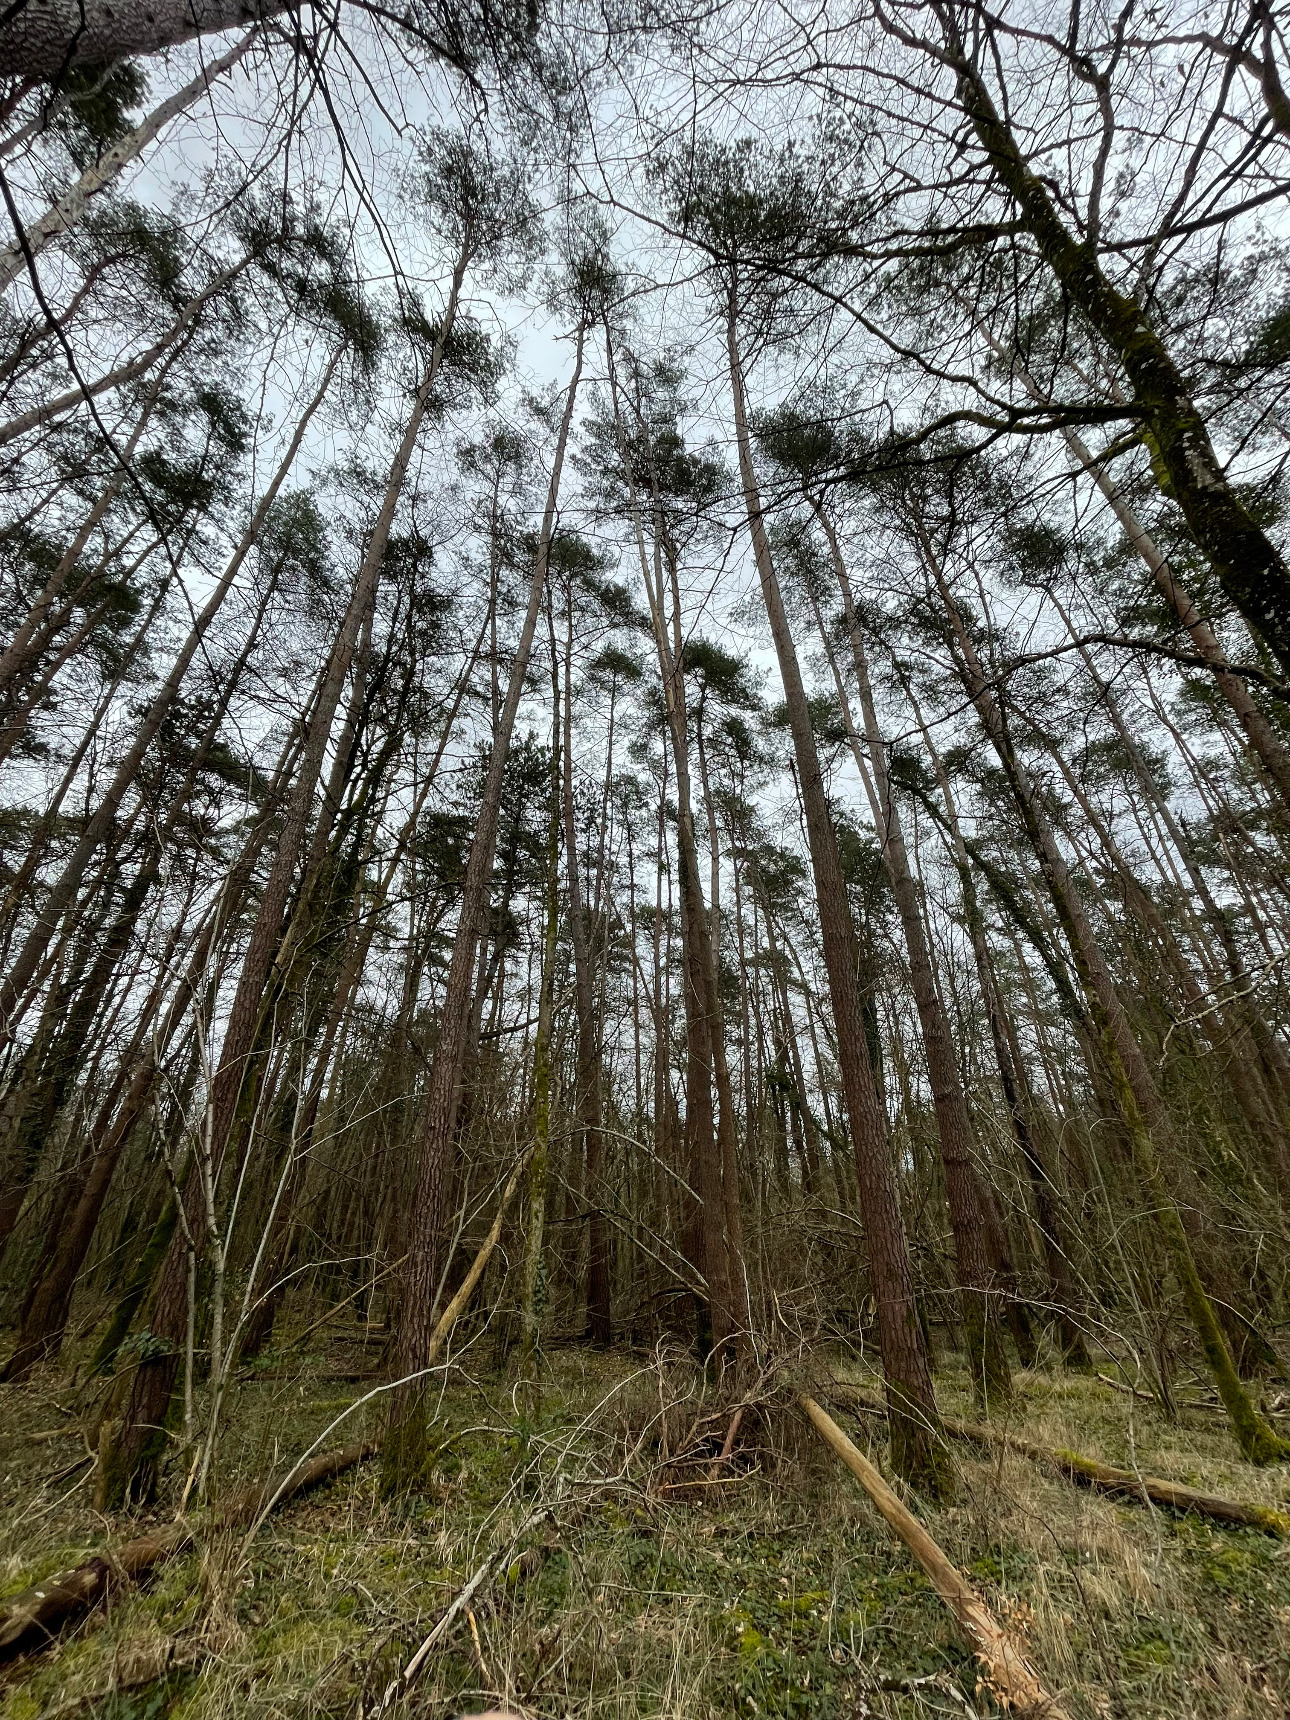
x=538, y=1166
x=45, y=38
x=587, y=1095
x=131, y=1465
x=405, y=1444
x=987, y=1357
x=70, y=207
x=718, y=1250
x=1137, y=1096
x=1012, y=1080
x=1248, y=565
x=916, y=1439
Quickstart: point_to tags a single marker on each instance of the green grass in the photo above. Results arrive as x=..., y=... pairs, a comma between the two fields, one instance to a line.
x=779, y=1594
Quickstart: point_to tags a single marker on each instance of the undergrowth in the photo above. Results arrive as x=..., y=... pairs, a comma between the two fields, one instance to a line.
x=776, y=1592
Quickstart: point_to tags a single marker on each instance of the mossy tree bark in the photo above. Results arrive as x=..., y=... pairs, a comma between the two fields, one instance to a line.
x=1249, y=566
x=1137, y=1097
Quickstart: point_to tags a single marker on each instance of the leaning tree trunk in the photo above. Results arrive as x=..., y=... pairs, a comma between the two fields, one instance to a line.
x=68, y=210
x=130, y=369
x=987, y=1357
x=49, y=1301
x=99, y=825
x=130, y=1465
x=42, y=39
x=1249, y=566
x=1260, y=736
x=36, y=631
x=1012, y=1079
x=1138, y=1099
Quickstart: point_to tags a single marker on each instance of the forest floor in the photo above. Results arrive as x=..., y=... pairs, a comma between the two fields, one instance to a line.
x=652, y=1589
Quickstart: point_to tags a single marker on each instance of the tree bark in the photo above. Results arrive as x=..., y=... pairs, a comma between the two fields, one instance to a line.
x=987, y=1357
x=917, y=1449
x=45, y=38
x=404, y=1450
x=1248, y=565
x=62, y=892
x=1137, y=1096
x=65, y=214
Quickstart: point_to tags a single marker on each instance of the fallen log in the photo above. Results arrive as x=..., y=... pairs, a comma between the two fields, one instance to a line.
x=329, y=1376
x=245, y=1505
x=1102, y=1477
x=1007, y=1671
x=33, y=1618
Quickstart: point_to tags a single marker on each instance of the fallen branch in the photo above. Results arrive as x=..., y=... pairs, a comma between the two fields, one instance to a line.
x=1008, y=1672
x=451, y=1313
x=1103, y=1477
x=330, y=1376
x=308, y=1474
x=499, y=1557
x=33, y=1618
x=364, y=1289
x=1213, y=1404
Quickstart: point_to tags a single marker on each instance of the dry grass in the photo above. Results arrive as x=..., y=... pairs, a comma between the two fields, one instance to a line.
x=779, y=1593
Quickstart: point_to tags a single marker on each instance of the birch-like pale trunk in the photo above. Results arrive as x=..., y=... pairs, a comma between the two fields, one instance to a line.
x=66, y=212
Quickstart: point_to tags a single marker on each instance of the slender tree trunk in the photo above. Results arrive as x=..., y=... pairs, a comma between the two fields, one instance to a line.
x=1137, y=1096
x=916, y=1437
x=587, y=1095
x=1258, y=732
x=405, y=1444
x=61, y=894
x=538, y=1166
x=129, y=370
x=1016, y=1097
x=33, y=633
x=131, y=1465
x=718, y=1250
x=987, y=1357
x=66, y=213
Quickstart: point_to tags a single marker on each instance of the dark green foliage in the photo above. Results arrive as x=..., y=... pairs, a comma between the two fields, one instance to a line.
x=92, y=107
